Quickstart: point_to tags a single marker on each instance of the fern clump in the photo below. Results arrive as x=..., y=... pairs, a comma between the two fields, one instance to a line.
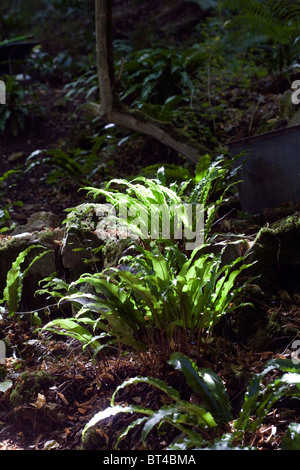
x=270, y=26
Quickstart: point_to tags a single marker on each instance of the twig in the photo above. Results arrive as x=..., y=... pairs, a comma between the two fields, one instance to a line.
x=40, y=309
x=121, y=69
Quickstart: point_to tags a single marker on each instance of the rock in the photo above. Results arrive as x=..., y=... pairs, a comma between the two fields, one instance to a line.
x=37, y=222
x=295, y=120
x=113, y=250
x=80, y=246
x=277, y=251
x=29, y=405
x=89, y=243
x=79, y=254
x=29, y=385
x=41, y=229
x=83, y=244
x=48, y=264
x=231, y=247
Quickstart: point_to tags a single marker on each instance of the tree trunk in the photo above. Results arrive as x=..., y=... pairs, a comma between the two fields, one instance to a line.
x=114, y=112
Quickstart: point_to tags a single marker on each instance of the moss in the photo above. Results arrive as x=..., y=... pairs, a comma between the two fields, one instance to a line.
x=30, y=384
x=271, y=328
x=83, y=218
x=274, y=324
x=46, y=236
x=113, y=251
x=287, y=108
x=277, y=250
x=93, y=440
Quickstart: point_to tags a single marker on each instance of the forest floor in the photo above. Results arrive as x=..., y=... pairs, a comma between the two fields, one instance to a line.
x=78, y=387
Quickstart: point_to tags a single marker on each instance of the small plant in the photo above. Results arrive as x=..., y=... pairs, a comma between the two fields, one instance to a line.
x=4, y=210
x=14, y=282
x=13, y=115
x=171, y=196
x=202, y=427
x=78, y=164
x=213, y=178
x=159, y=76
x=47, y=68
x=86, y=84
x=161, y=300
x=157, y=303
x=270, y=26
x=142, y=195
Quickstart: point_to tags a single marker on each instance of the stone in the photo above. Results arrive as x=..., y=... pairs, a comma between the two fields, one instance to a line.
x=277, y=252
x=83, y=243
x=48, y=264
x=81, y=246
x=43, y=229
x=295, y=120
x=37, y=222
x=89, y=240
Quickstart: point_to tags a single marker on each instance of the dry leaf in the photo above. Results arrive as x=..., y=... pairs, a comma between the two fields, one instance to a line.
x=40, y=401
x=106, y=375
x=137, y=399
x=103, y=434
x=63, y=398
x=82, y=410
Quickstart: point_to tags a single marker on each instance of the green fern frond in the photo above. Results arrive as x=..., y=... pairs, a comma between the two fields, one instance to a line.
x=279, y=20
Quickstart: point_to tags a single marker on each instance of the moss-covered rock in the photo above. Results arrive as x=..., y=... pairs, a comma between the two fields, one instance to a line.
x=29, y=404
x=113, y=250
x=30, y=384
x=88, y=242
x=37, y=222
x=83, y=218
x=72, y=250
x=277, y=252
x=94, y=440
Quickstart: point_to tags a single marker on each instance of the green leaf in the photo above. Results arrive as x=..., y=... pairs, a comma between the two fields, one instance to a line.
x=170, y=391
x=73, y=329
x=14, y=281
x=291, y=440
x=113, y=411
x=165, y=412
x=160, y=267
x=202, y=167
x=258, y=400
x=207, y=384
x=15, y=39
